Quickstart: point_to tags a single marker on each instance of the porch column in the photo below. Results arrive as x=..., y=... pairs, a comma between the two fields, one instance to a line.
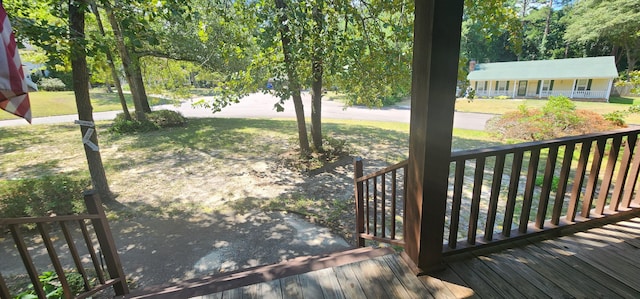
x=541, y=89
x=515, y=88
x=608, y=94
x=490, y=88
x=435, y=68
x=574, y=87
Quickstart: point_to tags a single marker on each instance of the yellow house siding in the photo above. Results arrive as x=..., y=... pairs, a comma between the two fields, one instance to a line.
x=600, y=84
x=563, y=85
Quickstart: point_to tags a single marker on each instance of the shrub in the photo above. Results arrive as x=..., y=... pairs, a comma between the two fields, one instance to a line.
x=592, y=122
x=555, y=181
x=631, y=79
x=501, y=97
x=334, y=148
x=123, y=126
x=557, y=118
x=616, y=117
x=166, y=118
x=634, y=109
x=471, y=93
x=155, y=120
x=43, y=196
x=51, y=84
x=52, y=287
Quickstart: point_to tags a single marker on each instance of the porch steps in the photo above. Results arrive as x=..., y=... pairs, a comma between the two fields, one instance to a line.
x=261, y=274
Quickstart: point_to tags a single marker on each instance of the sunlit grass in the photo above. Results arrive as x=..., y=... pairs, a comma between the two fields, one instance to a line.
x=50, y=103
x=29, y=151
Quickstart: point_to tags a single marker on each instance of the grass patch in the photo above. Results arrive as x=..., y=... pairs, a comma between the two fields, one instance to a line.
x=51, y=103
x=625, y=100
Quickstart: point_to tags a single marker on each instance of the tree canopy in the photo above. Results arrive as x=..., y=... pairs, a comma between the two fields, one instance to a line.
x=615, y=22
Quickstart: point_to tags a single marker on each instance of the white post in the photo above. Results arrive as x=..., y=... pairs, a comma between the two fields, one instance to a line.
x=609, y=90
x=490, y=88
x=515, y=87
x=574, y=87
x=541, y=89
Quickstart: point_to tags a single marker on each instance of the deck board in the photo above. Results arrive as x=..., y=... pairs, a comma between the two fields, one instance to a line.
x=368, y=275
x=496, y=280
x=511, y=278
x=270, y=290
x=391, y=283
x=480, y=286
x=447, y=282
x=530, y=277
x=349, y=282
x=330, y=287
x=602, y=262
x=564, y=267
x=309, y=287
x=291, y=287
x=620, y=276
x=413, y=286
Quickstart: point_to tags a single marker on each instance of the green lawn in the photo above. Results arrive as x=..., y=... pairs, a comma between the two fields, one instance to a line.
x=502, y=106
x=50, y=103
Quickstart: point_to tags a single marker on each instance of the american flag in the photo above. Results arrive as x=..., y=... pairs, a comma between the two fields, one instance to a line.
x=13, y=87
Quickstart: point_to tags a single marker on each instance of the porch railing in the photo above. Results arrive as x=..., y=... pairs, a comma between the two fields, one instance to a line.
x=505, y=192
x=580, y=94
x=88, y=254
x=380, y=204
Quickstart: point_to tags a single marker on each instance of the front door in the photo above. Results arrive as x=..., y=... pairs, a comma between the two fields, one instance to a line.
x=522, y=88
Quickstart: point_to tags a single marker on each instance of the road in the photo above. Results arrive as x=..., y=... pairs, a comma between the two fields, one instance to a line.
x=262, y=106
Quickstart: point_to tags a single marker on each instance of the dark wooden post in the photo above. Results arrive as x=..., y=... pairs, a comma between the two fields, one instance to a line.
x=4, y=290
x=436, y=48
x=358, y=172
x=107, y=244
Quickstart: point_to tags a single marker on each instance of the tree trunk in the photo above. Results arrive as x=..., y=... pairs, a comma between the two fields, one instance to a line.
x=316, y=106
x=83, y=101
x=632, y=51
x=631, y=60
x=294, y=83
x=114, y=72
x=316, y=84
x=126, y=62
x=545, y=35
x=136, y=75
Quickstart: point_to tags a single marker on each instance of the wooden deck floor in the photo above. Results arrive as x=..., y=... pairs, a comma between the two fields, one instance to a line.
x=598, y=263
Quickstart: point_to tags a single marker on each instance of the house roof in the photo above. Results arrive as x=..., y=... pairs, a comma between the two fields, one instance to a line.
x=571, y=68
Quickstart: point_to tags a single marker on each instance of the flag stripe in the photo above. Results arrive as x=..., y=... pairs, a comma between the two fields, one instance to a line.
x=13, y=87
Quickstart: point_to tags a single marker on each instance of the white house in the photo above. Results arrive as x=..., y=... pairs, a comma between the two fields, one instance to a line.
x=576, y=78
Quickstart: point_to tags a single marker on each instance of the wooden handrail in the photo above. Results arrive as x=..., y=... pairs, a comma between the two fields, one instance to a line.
x=100, y=231
x=527, y=146
x=599, y=169
x=521, y=189
x=378, y=203
x=383, y=171
x=50, y=219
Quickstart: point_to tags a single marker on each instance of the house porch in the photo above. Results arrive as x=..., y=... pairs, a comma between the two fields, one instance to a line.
x=592, y=89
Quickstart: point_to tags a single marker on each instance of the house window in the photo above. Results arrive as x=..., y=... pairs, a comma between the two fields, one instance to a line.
x=583, y=84
x=481, y=85
x=547, y=85
x=502, y=85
